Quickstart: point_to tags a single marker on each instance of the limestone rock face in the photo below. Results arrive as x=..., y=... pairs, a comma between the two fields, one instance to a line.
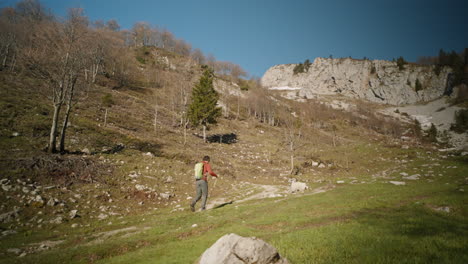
x=376, y=81
x=233, y=249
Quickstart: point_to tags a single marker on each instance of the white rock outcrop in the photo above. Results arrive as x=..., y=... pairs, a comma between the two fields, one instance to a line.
x=377, y=81
x=234, y=249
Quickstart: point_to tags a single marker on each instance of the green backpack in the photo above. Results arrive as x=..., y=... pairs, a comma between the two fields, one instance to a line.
x=198, y=170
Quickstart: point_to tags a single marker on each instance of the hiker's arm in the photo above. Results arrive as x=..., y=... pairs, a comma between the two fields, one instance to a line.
x=208, y=168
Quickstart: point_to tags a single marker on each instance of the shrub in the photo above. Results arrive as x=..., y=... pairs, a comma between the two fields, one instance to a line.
x=432, y=133
x=299, y=68
x=302, y=67
x=461, y=121
x=107, y=100
x=401, y=63
x=417, y=129
x=373, y=69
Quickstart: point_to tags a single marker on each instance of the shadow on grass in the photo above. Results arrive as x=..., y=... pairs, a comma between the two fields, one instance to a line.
x=415, y=222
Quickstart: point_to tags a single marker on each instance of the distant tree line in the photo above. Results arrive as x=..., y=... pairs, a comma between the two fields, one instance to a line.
x=457, y=61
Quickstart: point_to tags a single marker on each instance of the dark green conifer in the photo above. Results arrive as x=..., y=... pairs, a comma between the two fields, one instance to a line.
x=203, y=109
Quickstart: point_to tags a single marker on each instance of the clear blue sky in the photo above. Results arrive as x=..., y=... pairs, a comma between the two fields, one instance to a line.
x=258, y=34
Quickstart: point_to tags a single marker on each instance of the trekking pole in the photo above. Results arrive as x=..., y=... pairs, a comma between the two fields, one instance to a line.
x=216, y=180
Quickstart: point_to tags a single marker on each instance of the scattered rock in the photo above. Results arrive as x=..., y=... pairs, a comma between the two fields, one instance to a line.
x=236, y=249
x=75, y=225
x=340, y=181
x=57, y=220
x=397, y=183
x=102, y=216
x=8, y=232
x=9, y=216
x=73, y=214
x=412, y=177
x=321, y=166
x=194, y=225
x=404, y=174
x=298, y=187
x=52, y=202
x=149, y=154
x=445, y=209
x=16, y=251
x=140, y=187
x=169, y=179
x=86, y=151
x=165, y=195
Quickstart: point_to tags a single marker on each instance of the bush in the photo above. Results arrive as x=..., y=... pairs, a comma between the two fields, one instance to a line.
x=373, y=70
x=432, y=133
x=401, y=63
x=107, y=100
x=302, y=67
x=417, y=129
x=299, y=68
x=461, y=121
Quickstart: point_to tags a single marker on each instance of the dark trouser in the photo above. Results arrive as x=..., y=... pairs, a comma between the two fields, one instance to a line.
x=202, y=192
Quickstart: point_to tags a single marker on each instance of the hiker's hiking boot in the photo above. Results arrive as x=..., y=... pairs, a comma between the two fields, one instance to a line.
x=192, y=207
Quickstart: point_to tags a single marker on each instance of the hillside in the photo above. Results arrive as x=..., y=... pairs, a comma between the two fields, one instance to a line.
x=122, y=189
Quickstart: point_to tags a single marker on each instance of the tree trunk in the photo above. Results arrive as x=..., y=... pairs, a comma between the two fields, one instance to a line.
x=105, y=118
x=53, y=130
x=204, y=133
x=64, y=129
x=155, y=118
x=185, y=132
x=95, y=72
x=291, y=148
x=67, y=115
x=238, y=107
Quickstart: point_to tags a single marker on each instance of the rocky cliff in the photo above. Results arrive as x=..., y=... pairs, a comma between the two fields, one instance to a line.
x=377, y=81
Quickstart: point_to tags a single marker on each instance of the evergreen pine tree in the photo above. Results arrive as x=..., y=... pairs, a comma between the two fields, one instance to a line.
x=203, y=109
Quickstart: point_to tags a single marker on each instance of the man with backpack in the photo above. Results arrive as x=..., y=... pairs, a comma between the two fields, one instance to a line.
x=201, y=182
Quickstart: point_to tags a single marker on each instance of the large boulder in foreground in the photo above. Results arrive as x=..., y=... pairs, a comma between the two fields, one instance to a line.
x=233, y=249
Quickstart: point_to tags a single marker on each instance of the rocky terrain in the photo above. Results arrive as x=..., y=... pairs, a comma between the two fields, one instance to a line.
x=377, y=81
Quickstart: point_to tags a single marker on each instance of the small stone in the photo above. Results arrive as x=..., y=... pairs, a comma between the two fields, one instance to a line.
x=75, y=225
x=194, y=225
x=315, y=164
x=140, y=187
x=15, y=134
x=169, y=179
x=321, y=166
x=86, y=151
x=22, y=255
x=412, y=177
x=397, y=183
x=73, y=214
x=340, y=181
x=102, y=216
x=57, y=220
x=52, y=202
x=445, y=209
x=16, y=251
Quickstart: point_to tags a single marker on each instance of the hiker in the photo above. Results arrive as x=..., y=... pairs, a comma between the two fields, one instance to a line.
x=201, y=182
